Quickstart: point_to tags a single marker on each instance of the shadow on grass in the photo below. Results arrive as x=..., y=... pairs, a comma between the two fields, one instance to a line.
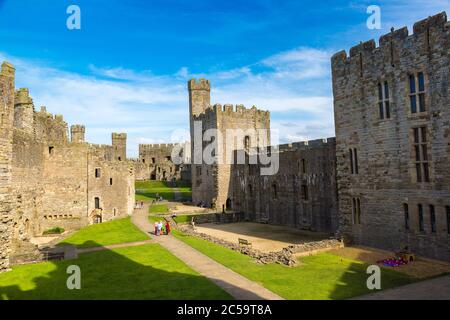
x=142, y=272
x=354, y=281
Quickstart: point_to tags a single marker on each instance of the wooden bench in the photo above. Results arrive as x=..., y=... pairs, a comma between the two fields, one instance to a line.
x=244, y=242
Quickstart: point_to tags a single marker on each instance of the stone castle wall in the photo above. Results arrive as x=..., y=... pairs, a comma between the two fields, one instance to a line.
x=49, y=181
x=307, y=167
x=302, y=194
x=156, y=163
x=7, y=74
x=386, y=184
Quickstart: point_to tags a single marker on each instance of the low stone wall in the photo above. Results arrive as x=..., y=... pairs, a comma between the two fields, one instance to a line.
x=217, y=218
x=285, y=256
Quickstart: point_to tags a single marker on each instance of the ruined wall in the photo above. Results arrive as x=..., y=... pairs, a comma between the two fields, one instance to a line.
x=156, y=163
x=302, y=194
x=47, y=181
x=7, y=74
x=386, y=183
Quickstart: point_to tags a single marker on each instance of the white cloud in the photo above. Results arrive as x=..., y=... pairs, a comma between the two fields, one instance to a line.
x=154, y=108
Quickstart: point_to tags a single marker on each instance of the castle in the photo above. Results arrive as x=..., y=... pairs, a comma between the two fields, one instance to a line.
x=47, y=180
x=384, y=181
x=392, y=118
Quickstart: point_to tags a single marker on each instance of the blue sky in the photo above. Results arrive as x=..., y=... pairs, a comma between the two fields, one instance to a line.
x=126, y=69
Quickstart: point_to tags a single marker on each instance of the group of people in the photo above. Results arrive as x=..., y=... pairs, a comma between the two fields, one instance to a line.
x=162, y=228
x=139, y=205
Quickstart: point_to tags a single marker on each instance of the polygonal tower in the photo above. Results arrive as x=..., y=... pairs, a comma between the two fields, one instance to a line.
x=119, y=142
x=77, y=133
x=23, y=110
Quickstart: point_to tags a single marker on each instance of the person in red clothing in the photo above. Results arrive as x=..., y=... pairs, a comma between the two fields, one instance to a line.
x=167, y=227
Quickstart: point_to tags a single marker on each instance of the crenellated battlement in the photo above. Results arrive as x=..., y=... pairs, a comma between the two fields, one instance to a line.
x=7, y=69
x=22, y=96
x=201, y=84
x=158, y=145
x=307, y=144
x=430, y=27
x=239, y=110
x=119, y=135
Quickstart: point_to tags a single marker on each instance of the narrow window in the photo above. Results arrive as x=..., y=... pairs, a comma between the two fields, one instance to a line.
x=97, y=202
x=110, y=181
x=420, y=149
x=305, y=192
x=421, y=226
x=355, y=154
x=351, y=162
x=97, y=173
x=406, y=211
x=153, y=160
x=432, y=219
x=447, y=209
x=417, y=92
x=358, y=210
x=51, y=149
x=274, y=191
x=354, y=210
x=383, y=100
x=304, y=166
x=247, y=143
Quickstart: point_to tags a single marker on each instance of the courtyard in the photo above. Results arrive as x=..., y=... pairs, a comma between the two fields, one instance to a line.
x=263, y=237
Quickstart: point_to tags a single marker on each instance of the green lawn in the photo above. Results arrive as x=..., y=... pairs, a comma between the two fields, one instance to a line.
x=322, y=276
x=158, y=208
x=142, y=272
x=111, y=232
x=147, y=190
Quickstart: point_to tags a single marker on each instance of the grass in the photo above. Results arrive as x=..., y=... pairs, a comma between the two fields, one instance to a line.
x=107, y=233
x=142, y=272
x=318, y=277
x=55, y=230
x=147, y=190
x=158, y=208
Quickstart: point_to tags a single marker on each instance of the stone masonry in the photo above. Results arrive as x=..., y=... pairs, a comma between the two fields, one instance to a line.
x=392, y=117
x=47, y=180
x=301, y=194
x=156, y=162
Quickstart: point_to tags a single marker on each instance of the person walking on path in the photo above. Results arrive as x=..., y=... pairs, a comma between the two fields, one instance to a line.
x=167, y=227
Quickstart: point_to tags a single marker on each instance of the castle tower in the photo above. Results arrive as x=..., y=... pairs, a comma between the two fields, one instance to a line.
x=77, y=133
x=23, y=111
x=199, y=96
x=7, y=74
x=119, y=142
